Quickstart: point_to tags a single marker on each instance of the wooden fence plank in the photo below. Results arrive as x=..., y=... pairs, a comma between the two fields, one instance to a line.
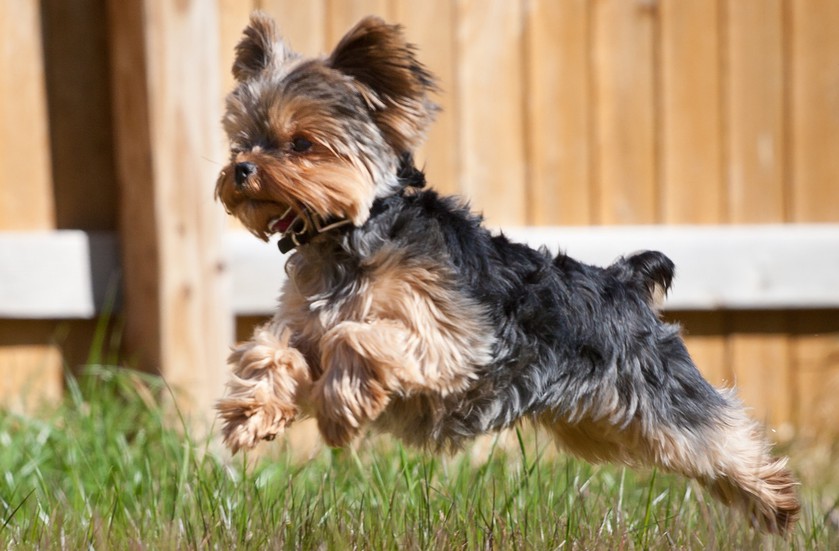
x=166, y=84
x=760, y=360
x=31, y=364
x=814, y=194
x=624, y=76
x=814, y=187
x=754, y=77
x=760, y=357
x=704, y=334
x=26, y=201
x=758, y=344
x=690, y=112
x=490, y=108
x=558, y=112
x=430, y=25
x=815, y=352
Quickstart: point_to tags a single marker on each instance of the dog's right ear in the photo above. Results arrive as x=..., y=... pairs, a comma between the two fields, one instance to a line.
x=261, y=47
x=395, y=85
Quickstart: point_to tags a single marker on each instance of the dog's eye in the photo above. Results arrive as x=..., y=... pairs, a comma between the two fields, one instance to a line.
x=299, y=144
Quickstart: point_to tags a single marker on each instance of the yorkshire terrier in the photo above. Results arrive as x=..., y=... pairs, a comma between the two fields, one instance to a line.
x=402, y=313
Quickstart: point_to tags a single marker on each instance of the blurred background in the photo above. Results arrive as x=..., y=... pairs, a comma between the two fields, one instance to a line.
x=556, y=113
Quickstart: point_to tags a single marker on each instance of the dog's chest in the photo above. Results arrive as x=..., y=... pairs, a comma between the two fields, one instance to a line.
x=447, y=332
x=322, y=293
x=326, y=295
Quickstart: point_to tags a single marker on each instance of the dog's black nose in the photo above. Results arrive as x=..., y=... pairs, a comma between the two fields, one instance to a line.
x=243, y=171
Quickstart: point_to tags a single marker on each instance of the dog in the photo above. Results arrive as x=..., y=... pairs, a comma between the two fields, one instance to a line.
x=402, y=313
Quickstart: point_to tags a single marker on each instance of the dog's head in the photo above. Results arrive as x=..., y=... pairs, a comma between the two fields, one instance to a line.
x=320, y=138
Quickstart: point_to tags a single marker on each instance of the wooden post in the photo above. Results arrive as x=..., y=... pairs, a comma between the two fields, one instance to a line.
x=166, y=95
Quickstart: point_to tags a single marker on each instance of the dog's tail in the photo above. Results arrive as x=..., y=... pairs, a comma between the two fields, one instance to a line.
x=408, y=174
x=654, y=270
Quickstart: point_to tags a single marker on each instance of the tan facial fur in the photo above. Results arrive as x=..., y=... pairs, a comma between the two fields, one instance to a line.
x=360, y=109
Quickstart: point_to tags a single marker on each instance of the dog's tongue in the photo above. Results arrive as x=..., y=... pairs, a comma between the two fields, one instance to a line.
x=281, y=224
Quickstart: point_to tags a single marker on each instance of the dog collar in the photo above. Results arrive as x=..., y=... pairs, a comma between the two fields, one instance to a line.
x=305, y=227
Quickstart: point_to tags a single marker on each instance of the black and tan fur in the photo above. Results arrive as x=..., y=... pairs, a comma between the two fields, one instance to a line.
x=407, y=316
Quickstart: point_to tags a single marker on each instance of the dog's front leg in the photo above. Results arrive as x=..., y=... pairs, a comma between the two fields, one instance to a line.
x=364, y=364
x=269, y=377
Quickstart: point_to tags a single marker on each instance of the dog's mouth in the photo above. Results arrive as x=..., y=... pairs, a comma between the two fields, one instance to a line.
x=283, y=223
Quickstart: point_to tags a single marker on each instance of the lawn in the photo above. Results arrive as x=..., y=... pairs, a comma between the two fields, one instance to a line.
x=106, y=469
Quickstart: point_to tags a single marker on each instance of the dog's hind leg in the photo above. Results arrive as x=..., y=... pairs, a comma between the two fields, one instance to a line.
x=735, y=463
x=728, y=455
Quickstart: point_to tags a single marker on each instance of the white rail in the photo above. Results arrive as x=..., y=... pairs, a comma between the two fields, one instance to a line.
x=69, y=274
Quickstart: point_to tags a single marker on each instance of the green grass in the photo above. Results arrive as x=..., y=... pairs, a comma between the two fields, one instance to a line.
x=108, y=470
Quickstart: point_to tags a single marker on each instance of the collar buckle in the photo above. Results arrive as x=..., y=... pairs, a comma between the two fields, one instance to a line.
x=305, y=227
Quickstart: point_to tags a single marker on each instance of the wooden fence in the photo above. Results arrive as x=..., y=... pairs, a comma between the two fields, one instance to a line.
x=556, y=113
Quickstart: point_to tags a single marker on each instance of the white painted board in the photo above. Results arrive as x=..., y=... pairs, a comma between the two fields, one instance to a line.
x=72, y=274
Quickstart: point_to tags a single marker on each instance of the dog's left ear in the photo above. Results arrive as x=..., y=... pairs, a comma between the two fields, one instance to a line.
x=394, y=84
x=260, y=48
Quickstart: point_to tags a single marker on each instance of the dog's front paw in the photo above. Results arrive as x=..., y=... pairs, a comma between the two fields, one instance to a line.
x=253, y=416
x=262, y=392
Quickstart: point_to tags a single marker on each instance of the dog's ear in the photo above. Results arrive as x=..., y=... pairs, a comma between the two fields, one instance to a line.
x=394, y=84
x=261, y=47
